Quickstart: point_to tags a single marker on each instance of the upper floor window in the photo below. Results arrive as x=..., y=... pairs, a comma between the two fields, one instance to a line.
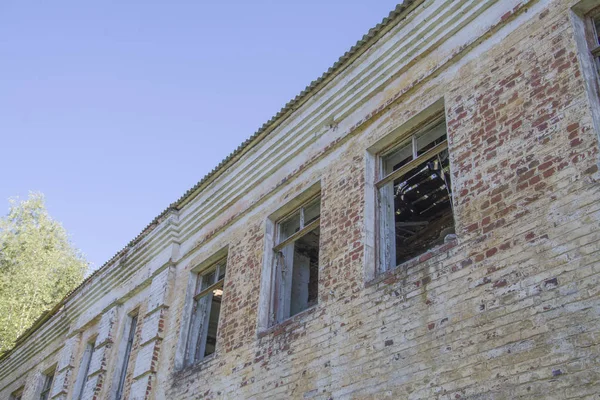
x=47, y=385
x=415, y=195
x=206, y=309
x=296, y=261
x=84, y=368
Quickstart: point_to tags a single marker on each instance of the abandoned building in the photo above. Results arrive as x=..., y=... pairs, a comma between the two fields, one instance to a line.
x=421, y=222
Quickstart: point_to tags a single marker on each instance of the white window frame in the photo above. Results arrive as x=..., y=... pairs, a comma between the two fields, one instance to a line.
x=208, y=263
x=375, y=262
x=387, y=228
x=281, y=295
x=200, y=314
x=267, y=315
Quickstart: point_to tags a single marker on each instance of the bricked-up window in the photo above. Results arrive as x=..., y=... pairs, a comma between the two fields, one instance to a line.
x=17, y=394
x=296, y=261
x=415, y=196
x=129, y=335
x=84, y=368
x=204, y=321
x=47, y=385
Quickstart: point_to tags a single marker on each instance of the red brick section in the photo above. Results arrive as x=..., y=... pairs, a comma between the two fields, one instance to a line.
x=237, y=325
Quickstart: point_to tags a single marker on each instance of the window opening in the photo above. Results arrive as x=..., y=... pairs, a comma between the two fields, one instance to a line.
x=415, y=196
x=296, y=261
x=127, y=355
x=48, y=378
x=208, y=294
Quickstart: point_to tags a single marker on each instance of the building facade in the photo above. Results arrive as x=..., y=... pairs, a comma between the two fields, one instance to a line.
x=422, y=222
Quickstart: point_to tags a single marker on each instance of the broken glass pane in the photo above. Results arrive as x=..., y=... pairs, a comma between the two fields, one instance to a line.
x=423, y=207
x=213, y=322
x=305, y=272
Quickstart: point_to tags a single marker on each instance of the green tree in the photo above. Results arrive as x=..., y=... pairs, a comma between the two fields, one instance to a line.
x=38, y=266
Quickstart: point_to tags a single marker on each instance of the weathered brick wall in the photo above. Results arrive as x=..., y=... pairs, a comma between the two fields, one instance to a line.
x=510, y=309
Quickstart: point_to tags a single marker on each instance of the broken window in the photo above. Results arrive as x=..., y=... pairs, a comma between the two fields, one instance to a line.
x=208, y=293
x=47, y=385
x=415, y=196
x=130, y=335
x=296, y=260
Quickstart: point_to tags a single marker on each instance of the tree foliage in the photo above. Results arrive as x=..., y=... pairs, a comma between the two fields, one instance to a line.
x=38, y=266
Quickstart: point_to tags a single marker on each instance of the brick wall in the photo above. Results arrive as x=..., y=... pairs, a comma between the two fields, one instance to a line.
x=509, y=309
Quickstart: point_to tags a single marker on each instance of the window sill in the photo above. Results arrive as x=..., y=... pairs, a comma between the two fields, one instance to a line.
x=390, y=276
x=287, y=324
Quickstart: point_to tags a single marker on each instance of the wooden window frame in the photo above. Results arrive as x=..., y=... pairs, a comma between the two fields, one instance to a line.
x=277, y=295
x=386, y=229
x=196, y=339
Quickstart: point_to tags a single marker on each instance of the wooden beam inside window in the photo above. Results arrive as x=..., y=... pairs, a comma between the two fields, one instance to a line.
x=412, y=164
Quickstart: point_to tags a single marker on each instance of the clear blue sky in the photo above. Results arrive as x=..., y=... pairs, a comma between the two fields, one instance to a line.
x=113, y=109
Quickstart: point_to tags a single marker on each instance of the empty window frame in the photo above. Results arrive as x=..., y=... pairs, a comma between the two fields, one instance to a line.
x=84, y=368
x=415, y=196
x=296, y=262
x=204, y=322
x=129, y=335
x=47, y=384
